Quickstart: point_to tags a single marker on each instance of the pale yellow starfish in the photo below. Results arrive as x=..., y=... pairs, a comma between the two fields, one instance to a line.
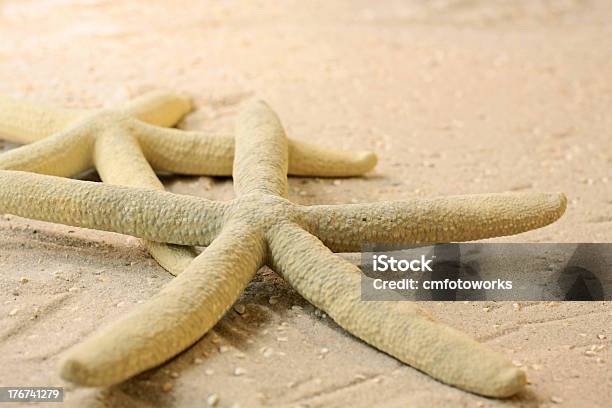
x=121, y=146
x=262, y=227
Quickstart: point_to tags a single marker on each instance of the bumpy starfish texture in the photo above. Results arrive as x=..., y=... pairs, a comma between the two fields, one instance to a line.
x=127, y=151
x=261, y=227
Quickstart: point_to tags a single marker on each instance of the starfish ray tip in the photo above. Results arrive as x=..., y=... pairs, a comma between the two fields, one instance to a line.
x=557, y=204
x=507, y=383
x=178, y=97
x=563, y=202
x=367, y=160
x=75, y=371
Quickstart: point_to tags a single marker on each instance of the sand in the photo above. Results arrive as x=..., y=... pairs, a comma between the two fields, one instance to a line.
x=461, y=96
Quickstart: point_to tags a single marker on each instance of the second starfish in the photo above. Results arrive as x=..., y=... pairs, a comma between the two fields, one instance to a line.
x=127, y=144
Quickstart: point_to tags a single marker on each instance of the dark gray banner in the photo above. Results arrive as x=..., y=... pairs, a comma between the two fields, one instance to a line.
x=487, y=271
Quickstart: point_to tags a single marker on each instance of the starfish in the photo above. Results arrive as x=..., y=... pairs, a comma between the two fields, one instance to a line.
x=261, y=227
x=128, y=144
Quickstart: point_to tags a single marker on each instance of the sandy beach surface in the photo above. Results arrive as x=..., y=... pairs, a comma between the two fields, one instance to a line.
x=455, y=96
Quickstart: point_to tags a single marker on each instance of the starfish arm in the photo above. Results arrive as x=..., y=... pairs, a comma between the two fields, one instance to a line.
x=173, y=258
x=173, y=319
x=65, y=154
x=119, y=161
x=160, y=108
x=186, y=152
x=26, y=122
x=144, y=213
x=261, y=153
x=397, y=328
x=197, y=153
x=347, y=228
x=307, y=159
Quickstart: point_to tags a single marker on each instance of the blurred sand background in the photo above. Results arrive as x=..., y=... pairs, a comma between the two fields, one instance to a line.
x=455, y=96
